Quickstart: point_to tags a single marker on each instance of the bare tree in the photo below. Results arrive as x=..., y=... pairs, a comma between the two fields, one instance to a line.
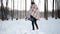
x=12, y=12
x=46, y=9
x=17, y=10
x=6, y=10
x=57, y=9
x=53, y=10
x=2, y=10
x=25, y=6
x=32, y=0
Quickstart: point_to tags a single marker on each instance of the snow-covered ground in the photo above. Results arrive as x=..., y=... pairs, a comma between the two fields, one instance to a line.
x=22, y=26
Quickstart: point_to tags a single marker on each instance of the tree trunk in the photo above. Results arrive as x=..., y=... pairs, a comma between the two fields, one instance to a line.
x=2, y=10
x=7, y=10
x=46, y=9
x=53, y=10
x=12, y=11
x=17, y=10
x=25, y=7
x=32, y=0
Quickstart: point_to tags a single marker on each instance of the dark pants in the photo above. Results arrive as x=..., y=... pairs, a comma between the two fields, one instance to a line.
x=34, y=22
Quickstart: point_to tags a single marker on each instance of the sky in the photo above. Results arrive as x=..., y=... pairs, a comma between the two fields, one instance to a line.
x=20, y=4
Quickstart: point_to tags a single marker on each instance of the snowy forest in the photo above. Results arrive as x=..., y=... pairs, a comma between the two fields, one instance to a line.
x=14, y=12
x=19, y=8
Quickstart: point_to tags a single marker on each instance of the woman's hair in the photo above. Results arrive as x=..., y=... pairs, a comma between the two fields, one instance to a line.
x=32, y=2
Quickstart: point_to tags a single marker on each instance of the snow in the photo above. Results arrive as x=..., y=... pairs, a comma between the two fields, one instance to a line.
x=22, y=26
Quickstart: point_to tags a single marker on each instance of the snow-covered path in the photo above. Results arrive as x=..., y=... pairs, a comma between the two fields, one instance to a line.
x=21, y=26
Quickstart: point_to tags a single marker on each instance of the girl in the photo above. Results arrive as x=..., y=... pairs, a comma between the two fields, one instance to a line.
x=34, y=15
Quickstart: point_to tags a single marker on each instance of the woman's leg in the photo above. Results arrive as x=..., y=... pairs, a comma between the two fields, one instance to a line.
x=33, y=25
x=36, y=25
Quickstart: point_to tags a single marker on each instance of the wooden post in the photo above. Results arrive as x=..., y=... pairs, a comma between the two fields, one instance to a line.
x=53, y=10
x=46, y=9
